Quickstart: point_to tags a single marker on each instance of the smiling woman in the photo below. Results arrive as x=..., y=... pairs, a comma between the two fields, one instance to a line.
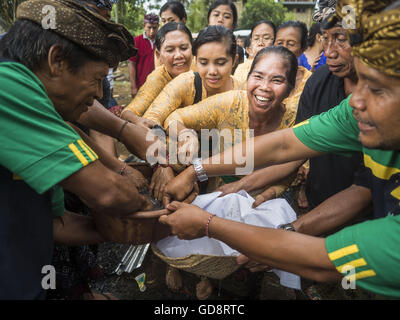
x=174, y=50
x=260, y=107
x=215, y=51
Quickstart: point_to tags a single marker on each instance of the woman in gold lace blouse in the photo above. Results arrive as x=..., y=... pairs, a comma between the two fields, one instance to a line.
x=174, y=49
x=260, y=107
x=215, y=51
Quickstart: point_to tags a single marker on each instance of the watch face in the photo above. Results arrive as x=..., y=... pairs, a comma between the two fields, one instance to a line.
x=288, y=227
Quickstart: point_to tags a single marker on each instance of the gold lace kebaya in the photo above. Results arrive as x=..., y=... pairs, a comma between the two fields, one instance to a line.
x=178, y=93
x=228, y=110
x=155, y=83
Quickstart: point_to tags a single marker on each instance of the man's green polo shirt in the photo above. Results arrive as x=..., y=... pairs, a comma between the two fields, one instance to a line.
x=37, y=145
x=372, y=248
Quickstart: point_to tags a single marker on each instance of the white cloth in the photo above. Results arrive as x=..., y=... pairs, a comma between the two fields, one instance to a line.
x=235, y=207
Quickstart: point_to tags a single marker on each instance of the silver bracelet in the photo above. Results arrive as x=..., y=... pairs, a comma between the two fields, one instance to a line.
x=199, y=170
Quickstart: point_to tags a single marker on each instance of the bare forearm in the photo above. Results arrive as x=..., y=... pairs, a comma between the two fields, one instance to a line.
x=335, y=212
x=270, y=149
x=108, y=158
x=104, y=190
x=280, y=249
x=106, y=142
x=100, y=119
x=269, y=176
x=73, y=230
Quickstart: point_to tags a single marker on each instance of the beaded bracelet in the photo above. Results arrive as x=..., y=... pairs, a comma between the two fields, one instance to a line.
x=208, y=223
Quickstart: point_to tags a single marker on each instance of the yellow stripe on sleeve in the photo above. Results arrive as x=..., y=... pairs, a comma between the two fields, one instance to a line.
x=88, y=150
x=378, y=170
x=78, y=154
x=396, y=193
x=361, y=275
x=343, y=252
x=354, y=264
x=301, y=124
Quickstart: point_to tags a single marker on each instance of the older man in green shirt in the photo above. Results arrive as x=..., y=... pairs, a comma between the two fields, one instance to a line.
x=50, y=75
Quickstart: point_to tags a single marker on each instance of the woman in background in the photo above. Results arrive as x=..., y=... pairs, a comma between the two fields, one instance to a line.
x=313, y=57
x=174, y=49
x=262, y=35
x=223, y=13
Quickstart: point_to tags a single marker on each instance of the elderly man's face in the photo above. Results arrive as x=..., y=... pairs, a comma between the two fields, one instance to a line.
x=73, y=93
x=376, y=106
x=336, y=44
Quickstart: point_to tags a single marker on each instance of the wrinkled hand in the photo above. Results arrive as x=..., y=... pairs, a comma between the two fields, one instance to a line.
x=187, y=221
x=179, y=187
x=232, y=187
x=159, y=180
x=136, y=177
x=252, y=265
x=264, y=196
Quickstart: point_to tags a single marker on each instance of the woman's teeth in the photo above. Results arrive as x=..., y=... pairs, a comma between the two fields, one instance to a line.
x=263, y=99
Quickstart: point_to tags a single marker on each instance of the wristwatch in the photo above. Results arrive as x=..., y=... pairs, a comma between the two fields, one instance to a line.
x=199, y=170
x=287, y=226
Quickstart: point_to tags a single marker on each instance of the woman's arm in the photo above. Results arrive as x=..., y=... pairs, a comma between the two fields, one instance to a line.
x=73, y=230
x=176, y=94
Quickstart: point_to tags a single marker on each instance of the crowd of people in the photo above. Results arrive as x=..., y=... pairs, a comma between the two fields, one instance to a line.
x=318, y=104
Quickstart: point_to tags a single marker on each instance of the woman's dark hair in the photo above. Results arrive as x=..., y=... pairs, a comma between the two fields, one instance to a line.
x=301, y=26
x=224, y=3
x=284, y=53
x=268, y=22
x=176, y=8
x=29, y=44
x=216, y=34
x=312, y=34
x=169, y=27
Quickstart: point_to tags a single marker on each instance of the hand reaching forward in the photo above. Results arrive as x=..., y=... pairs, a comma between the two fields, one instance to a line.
x=187, y=221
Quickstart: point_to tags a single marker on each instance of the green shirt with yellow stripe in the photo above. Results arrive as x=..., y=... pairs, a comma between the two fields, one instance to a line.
x=38, y=151
x=367, y=252
x=38, y=147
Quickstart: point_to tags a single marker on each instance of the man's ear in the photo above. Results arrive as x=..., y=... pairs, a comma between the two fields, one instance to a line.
x=56, y=61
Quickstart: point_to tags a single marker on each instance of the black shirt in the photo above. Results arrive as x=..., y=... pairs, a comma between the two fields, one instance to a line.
x=329, y=174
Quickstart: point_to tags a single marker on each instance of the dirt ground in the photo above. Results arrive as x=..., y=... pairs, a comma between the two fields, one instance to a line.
x=240, y=285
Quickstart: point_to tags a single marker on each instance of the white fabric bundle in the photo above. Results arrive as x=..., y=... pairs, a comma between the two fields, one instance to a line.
x=234, y=207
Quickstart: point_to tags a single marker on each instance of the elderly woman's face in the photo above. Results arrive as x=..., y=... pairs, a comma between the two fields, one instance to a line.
x=221, y=15
x=73, y=93
x=290, y=38
x=262, y=37
x=267, y=85
x=176, y=53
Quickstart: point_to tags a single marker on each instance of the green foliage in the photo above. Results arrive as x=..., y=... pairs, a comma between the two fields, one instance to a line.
x=130, y=14
x=257, y=10
x=197, y=14
x=8, y=9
